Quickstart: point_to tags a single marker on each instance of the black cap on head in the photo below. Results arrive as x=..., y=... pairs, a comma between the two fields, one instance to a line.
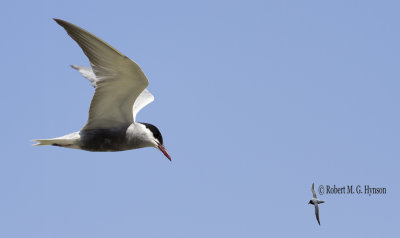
x=155, y=131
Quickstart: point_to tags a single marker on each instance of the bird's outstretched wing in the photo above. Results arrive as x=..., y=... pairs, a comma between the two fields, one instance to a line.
x=143, y=99
x=120, y=80
x=313, y=191
x=317, y=213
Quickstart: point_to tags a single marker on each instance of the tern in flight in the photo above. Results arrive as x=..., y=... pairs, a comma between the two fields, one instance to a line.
x=120, y=93
x=314, y=201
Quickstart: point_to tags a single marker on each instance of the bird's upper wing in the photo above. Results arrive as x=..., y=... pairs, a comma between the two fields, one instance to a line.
x=141, y=101
x=313, y=191
x=317, y=213
x=119, y=80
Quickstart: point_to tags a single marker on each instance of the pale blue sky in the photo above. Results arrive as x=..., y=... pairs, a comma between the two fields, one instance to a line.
x=255, y=100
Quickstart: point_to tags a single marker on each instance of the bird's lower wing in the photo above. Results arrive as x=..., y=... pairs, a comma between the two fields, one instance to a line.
x=87, y=73
x=317, y=213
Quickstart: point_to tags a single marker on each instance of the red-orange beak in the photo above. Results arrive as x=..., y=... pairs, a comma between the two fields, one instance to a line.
x=165, y=152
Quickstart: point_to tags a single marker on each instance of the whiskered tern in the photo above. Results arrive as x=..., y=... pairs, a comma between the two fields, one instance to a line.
x=315, y=201
x=120, y=93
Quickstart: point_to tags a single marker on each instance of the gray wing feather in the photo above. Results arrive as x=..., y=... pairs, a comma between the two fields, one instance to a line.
x=313, y=191
x=141, y=101
x=317, y=213
x=119, y=80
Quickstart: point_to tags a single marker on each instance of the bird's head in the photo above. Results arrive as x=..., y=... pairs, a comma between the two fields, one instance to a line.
x=156, y=138
x=310, y=202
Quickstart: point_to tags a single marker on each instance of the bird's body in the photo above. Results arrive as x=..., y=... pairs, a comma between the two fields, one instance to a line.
x=115, y=139
x=120, y=94
x=127, y=137
x=315, y=201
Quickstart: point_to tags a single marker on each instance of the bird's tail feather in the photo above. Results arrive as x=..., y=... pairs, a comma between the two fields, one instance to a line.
x=50, y=142
x=45, y=141
x=67, y=140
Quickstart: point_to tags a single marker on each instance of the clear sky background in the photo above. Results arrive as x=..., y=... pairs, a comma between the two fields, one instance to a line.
x=256, y=100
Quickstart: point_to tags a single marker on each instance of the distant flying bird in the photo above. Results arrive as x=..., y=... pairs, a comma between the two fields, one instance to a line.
x=120, y=93
x=314, y=201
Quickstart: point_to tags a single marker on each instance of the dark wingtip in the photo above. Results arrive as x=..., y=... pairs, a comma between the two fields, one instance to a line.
x=61, y=22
